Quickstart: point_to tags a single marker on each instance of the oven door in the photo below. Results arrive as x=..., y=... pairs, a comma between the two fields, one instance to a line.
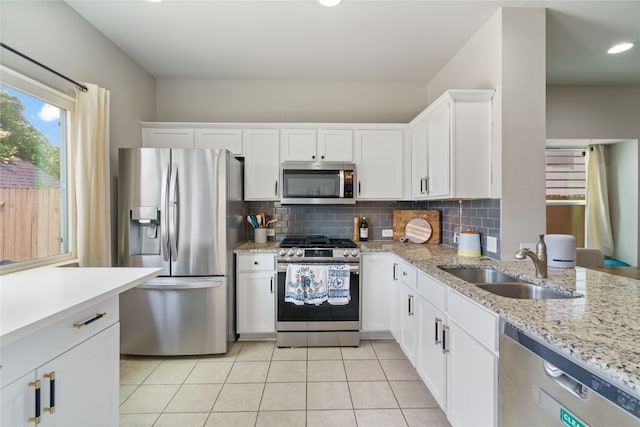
x=323, y=317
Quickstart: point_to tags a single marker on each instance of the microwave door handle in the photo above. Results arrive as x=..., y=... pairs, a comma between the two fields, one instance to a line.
x=341, y=190
x=164, y=213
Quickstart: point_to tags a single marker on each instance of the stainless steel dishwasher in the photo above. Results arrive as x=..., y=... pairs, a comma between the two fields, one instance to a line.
x=539, y=387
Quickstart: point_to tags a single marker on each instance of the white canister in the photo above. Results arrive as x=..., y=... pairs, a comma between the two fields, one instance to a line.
x=469, y=244
x=561, y=250
x=260, y=235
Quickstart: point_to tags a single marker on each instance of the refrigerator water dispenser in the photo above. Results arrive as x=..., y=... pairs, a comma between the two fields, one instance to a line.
x=144, y=230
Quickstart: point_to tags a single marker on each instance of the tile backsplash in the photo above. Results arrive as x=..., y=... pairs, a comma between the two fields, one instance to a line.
x=482, y=215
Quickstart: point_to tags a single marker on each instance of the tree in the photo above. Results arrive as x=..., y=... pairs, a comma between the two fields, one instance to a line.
x=20, y=139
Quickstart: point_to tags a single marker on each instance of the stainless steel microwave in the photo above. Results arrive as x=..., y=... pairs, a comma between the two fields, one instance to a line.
x=318, y=183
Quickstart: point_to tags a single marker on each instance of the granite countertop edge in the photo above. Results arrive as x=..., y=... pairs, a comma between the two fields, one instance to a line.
x=600, y=328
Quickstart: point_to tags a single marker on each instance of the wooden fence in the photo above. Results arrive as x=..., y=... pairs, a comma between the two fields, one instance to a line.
x=29, y=223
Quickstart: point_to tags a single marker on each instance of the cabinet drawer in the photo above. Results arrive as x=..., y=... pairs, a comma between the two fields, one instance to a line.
x=256, y=262
x=479, y=322
x=21, y=356
x=433, y=291
x=407, y=274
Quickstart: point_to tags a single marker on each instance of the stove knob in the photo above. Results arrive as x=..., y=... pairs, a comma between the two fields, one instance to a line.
x=299, y=252
x=282, y=252
x=345, y=253
x=290, y=252
x=354, y=252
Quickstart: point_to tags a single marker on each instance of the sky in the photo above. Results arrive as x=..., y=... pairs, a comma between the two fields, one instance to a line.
x=42, y=116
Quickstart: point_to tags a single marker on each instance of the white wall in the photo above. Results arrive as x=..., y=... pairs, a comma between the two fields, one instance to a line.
x=622, y=182
x=508, y=54
x=288, y=101
x=54, y=34
x=593, y=112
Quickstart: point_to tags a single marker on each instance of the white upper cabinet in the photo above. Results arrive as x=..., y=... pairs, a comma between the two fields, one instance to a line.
x=379, y=158
x=451, y=147
x=167, y=137
x=262, y=164
x=316, y=146
x=298, y=145
x=219, y=138
x=335, y=145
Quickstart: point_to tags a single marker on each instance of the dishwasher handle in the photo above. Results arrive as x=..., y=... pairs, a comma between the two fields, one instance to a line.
x=565, y=381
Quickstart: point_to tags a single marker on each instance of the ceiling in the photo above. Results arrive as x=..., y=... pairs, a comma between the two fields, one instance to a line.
x=359, y=40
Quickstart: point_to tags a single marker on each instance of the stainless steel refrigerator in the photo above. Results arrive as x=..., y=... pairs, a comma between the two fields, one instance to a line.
x=181, y=210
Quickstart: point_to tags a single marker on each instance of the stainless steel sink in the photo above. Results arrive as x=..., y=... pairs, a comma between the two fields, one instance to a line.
x=481, y=275
x=503, y=284
x=522, y=291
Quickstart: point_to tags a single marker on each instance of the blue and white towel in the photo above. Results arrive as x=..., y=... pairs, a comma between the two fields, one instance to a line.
x=338, y=276
x=306, y=284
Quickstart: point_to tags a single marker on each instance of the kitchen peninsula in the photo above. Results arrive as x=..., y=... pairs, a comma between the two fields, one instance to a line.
x=62, y=323
x=599, y=329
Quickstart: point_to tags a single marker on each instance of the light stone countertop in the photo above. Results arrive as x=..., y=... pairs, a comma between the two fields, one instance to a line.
x=600, y=329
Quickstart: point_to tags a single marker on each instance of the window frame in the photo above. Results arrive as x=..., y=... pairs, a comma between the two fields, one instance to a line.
x=66, y=103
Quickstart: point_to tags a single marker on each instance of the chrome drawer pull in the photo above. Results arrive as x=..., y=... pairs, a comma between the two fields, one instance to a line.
x=86, y=322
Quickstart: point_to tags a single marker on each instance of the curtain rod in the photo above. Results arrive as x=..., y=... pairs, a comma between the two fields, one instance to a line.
x=80, y=86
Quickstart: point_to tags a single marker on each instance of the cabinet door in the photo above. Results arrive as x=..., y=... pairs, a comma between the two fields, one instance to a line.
x=230, y=139
x=471, y=380
x=262, y=164
x=376, y=290
x=379, y=158
x=19, y=402
x=86, y=383
x=256, y=302
x=419, y=171
x=167, y=138
x=431, y=360
x=298, y=145
x=407, y=307
x=439, y=151
x=335, y=145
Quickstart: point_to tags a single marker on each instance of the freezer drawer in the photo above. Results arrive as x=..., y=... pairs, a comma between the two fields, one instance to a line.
x=175, y=316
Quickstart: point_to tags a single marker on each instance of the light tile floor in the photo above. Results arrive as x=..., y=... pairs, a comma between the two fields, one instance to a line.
x=257, y=384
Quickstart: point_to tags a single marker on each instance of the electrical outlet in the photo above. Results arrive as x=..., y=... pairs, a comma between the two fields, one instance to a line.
x=271, y=232
x=527, y=245
x=387, y=233
x=492, y=244
x=455, y=237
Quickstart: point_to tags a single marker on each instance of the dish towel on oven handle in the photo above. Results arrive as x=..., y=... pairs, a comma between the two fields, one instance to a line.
x=338, y=281
x=306, y=284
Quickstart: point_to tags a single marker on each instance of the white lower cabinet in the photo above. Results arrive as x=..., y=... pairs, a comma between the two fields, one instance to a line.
x=376, y=279
x=78, y=387
x=256, y=294
x=471, y=380
x=432, y=358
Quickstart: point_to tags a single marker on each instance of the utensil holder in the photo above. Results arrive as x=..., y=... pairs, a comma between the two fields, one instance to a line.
x=260, y=235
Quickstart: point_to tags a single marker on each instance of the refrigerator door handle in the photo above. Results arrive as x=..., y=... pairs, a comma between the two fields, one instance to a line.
x=173, y=212
x=164, y=213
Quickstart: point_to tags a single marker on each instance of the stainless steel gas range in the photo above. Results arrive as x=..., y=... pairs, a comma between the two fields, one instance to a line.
x=318, y=297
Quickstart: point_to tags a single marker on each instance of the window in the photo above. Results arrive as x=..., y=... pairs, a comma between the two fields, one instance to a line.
x=566, y=176
x=34, y=220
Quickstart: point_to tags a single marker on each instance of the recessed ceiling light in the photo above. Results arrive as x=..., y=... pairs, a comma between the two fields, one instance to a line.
x=622, y=47
x=329, y=3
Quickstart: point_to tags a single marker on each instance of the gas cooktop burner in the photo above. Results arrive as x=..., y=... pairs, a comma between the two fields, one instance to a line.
x=316, y=242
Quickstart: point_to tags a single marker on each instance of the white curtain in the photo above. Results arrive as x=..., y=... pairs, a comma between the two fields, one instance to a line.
x=90, y=183
x=598, y=229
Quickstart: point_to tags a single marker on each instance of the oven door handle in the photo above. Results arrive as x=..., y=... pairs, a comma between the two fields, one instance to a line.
x=282, y=268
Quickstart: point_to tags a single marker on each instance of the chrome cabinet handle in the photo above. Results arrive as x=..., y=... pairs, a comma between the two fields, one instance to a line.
x=426, y=184
x=86, y=322
x=276, y=192
x=395, y=276
x=411, y=313
x=359, y=188
x=271, y=285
